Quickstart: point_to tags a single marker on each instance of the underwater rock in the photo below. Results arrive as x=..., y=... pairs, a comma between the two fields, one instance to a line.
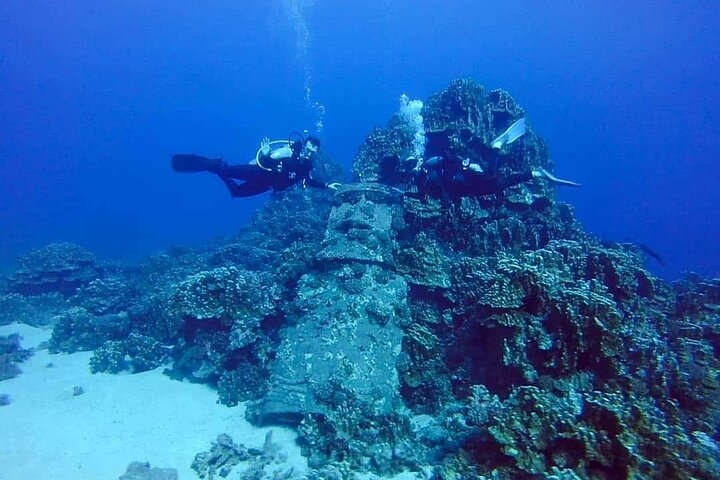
x=143, y=471
x=59, y=267
x=379, y=155
x=514, y=299
x=533, y=425
x=247, y=256
x=225, y=454
x=294, y=216
x=246, y=382
x=11, y=353
x=221, y=458
x=348, y=330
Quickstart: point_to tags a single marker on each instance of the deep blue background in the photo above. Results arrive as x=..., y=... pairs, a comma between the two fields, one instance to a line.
x=96, y=96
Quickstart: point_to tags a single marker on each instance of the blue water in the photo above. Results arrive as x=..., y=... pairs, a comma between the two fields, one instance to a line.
x=96, y=96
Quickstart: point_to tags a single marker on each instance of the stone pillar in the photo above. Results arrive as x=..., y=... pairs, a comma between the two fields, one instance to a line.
x=350, y=309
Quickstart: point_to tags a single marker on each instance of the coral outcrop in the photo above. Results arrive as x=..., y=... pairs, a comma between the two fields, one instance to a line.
x=59, y=267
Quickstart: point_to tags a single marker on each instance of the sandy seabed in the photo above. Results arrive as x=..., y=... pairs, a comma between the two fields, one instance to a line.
x=50, y=433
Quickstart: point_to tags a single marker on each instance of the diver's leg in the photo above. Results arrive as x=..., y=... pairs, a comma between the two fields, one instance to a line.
x=493, y=167
x=255, y=179
x=186, y=163
x=245, y=172
x=245, y=189
x=514, y=179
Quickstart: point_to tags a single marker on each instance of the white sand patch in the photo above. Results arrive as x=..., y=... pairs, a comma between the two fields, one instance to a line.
x=49, y=433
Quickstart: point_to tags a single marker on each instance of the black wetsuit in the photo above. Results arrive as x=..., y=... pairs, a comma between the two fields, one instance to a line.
x=274, y=174
x=443, y=177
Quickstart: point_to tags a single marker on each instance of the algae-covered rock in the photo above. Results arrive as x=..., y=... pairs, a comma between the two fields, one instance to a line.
x=349, y=316
x=381, y=146
x=362, y=225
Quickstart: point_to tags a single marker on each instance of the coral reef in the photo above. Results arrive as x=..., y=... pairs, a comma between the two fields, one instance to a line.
x=77, y=329
x=570, y=358
x=225, y=294
x=223, y=313
x=36, y=310
x=137, y=353
x=222, y=457
x=103, y=296
x=487, y=338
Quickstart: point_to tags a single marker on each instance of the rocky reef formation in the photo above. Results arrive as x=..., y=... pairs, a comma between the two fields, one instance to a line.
x=460, y=338
x=533, y=347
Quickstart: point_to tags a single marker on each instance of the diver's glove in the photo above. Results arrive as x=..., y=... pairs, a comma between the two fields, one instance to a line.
x=265, y=146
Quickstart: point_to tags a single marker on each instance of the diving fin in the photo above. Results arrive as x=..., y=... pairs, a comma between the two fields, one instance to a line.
x=557, y=181
x=187, y=163
x=513, y=132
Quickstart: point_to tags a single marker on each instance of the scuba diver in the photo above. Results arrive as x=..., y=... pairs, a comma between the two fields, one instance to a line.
x=452, y=177
x=289, y=163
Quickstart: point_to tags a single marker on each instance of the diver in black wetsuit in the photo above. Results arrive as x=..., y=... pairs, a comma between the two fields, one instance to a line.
x=454, y=178
x=272, y=169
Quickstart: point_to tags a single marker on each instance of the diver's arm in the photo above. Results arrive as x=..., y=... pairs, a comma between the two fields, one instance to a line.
x=434, y=162
x=309, y=181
